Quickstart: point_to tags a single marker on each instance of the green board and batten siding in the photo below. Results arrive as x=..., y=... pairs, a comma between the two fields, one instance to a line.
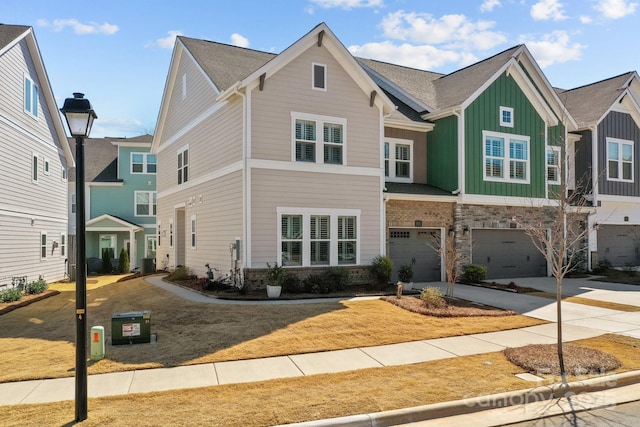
x=483, y=114
x=442, y=154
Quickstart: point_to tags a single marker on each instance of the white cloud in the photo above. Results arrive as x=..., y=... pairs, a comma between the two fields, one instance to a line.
x=116, y=127
x=453, y=30
x=347, y=4
x=489, y=5
x=423, y=57
x=238, y=40
x=586, y=19
x=166, y=42
x=554, y=48
x=615, y=9
x=78, y=27
x=548, y=9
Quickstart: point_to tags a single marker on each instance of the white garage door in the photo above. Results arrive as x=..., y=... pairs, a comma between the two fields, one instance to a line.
x=507, y=253
x=415, y=247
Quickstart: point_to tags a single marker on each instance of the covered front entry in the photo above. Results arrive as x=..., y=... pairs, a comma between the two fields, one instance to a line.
x=619, y=244
x=507, y=253
x=110, y=233
x=415, y=246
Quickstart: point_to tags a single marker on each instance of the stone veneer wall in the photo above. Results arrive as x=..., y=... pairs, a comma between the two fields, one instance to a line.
x=254, y=277
x=405, y=213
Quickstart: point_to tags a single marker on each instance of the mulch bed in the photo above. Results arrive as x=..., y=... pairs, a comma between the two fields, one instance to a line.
x=543, y=359
x=511, y=287
x=455, y=308
x=6, y=307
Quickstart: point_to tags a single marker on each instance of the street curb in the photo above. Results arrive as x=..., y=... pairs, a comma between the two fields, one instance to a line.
x=476, y=404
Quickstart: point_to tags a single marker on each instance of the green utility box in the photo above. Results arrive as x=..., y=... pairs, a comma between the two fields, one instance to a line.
x=133, y=327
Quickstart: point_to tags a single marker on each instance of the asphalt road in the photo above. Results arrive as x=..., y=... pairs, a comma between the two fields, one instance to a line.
x=624, y=415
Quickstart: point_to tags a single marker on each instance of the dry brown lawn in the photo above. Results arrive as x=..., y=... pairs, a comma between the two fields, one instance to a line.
x=313, y=397
x=43, y=333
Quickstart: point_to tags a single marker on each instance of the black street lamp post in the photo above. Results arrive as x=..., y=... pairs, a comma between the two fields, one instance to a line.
x=80, y=116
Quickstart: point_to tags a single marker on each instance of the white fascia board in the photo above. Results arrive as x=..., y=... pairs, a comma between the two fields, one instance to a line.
x=482, y=199
x=421, y=197
x=414, y=126
x=166, y=94
x=532, y=94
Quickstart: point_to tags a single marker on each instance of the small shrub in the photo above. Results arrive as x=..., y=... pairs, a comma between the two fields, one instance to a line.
x=123, y=261
x=202, y=282
x=180, y=273
x=474, y=273
x=37, y=287
x=602, y=266
x=292, y=284
x=107, y=256
x=10, y=295
x=432, y=297
x=380, y=270
x=338, y=278
x=316, y=284
x=405, y=273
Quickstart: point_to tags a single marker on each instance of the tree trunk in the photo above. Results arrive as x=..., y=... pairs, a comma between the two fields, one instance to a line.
x=559, y=324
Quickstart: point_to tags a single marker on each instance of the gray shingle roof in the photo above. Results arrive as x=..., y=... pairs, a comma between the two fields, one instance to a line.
x=101, y=157
x=9, y=33
x=223, y=63
x=588, y=103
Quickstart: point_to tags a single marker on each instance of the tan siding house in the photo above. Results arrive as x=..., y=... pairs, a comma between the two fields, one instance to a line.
x=267, y=158
x=35, y=158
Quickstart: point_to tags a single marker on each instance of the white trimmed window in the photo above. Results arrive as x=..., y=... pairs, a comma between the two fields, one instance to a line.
x=158, y=229
x=183, y=165
x=171, y=233
x=398, y=163
x=144, y=163
x=553, y=165
x=619, y=160
x=506, y=157
x=73, y=203
x=34, y=169
x=43, y=245
x=318, y=139
x=150, y=246
x=145, y=203
x=310, y=237
x=506, y=116
x=30, y=97
x=193, y=231
x=63, y=245
x=46, y=167
x=319, y=79
x=63, y=175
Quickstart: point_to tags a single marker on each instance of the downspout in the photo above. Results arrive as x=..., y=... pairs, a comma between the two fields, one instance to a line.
x=460, y=188
x=246, y=208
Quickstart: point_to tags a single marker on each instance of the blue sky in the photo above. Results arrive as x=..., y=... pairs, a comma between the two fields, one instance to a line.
x=117, y=52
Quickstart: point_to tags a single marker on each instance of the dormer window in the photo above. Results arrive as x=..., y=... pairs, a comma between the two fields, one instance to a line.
x=506, y=116
x=319, y=72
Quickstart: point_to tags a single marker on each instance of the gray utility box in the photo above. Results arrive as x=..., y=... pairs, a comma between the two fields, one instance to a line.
x=133, y=327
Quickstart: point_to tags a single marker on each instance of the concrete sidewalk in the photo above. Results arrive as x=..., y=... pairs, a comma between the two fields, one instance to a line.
x=581, y=322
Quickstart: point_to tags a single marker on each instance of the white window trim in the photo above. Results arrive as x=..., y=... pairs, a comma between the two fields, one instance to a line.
x=193, y=232
x=135, y=203
x=46, y=166
x=307, y=213
x=145, y=164
x=621, y=142
x=73, y=204
x=184, y=86
x=114, y=240
x=33, y=104
x=507, y=158
x=43, y=246
x=63, y=174
x=159, y=233
x=181, y=168
x=313, y=76
x=392, y=159
x=559, y=152
x=319, y=120
x=503, y=123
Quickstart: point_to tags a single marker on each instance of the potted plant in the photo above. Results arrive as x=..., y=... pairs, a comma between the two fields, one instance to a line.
x=405, y=274
x=274, y=278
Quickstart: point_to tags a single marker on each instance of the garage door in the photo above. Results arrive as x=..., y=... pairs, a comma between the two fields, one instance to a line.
x=414, y=246
x=619, y=244
x=507, y=253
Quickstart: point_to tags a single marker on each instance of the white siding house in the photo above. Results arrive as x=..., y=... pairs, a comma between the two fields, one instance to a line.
x=34, y=159
x=281, y=154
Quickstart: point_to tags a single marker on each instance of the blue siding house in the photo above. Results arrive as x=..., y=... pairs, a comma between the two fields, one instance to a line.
x=121, y=199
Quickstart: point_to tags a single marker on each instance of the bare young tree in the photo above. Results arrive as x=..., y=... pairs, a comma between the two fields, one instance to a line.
x=447, y=252
x=559, y=232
